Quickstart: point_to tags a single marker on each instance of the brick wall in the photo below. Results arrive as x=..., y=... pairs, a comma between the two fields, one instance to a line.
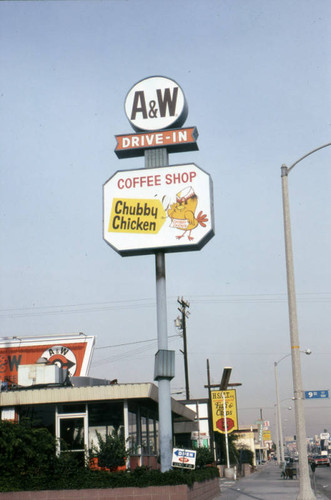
x=200, y=491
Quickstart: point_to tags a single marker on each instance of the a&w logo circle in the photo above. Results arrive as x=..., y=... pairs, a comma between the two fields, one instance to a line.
x=61, y=356
x=156, y=103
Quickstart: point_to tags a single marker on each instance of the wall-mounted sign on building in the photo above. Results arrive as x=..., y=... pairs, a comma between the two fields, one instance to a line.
x=72, y=351
x=156, y=103
x=168, y=208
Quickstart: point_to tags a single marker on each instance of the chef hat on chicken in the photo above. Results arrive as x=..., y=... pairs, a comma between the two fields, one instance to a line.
x=185, y=194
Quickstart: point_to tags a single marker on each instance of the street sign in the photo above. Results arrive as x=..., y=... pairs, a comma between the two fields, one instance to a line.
x=218, y=411
x=183, y=458
x=164, y=208
x=324, y=394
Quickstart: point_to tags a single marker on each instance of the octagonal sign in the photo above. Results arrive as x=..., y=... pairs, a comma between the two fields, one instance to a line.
x=167, y=209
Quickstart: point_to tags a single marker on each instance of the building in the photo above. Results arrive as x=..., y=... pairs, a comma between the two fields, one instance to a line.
x=74, y=408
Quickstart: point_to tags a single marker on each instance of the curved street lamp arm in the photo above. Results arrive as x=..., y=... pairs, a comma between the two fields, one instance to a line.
x=281, y=359
x=308, y=154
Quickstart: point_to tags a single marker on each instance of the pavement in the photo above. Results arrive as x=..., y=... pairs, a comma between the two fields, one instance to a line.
x=263, y=484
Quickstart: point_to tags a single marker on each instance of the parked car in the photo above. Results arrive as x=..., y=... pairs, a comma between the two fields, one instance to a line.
x=320, y=460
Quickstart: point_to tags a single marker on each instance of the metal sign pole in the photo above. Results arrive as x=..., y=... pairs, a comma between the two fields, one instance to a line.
x=159, y=158
x=226, y=432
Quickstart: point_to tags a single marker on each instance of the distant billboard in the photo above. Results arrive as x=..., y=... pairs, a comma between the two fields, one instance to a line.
x=71, y=351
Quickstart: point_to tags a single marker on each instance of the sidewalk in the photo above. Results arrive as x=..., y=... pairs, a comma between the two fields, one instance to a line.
x=264, y=484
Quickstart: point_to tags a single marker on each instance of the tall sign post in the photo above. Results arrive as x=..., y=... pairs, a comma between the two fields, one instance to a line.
x=159, y=208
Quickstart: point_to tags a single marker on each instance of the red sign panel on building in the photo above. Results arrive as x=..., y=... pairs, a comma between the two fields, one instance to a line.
x=73, y=352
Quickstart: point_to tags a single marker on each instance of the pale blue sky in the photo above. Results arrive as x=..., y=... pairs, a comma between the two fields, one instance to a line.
x=256, y=75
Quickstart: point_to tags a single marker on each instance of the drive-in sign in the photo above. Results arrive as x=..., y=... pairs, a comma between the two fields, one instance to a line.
x=168, y=208
x=156, y=103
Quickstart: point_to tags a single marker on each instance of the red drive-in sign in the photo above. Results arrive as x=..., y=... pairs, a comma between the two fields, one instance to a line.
x=176, y=140
x=164, y=208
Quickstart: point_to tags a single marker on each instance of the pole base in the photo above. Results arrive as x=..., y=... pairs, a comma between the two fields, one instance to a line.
x=230, y=473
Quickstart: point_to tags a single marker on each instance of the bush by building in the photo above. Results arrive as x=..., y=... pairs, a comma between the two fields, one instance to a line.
x=28, y=462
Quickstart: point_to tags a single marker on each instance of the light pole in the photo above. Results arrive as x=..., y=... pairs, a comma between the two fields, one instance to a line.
x=280, y=445
x=277, y=435
x=305, y=490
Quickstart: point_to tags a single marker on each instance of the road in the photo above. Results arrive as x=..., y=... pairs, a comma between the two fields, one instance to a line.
x=322, y=481
x=266, y=484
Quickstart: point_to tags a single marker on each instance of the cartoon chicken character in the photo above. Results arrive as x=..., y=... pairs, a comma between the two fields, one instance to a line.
x=182, y=213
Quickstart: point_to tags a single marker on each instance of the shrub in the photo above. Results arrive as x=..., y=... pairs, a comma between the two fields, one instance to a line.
x=111, y=450
x=28, y=462
x=204, y=457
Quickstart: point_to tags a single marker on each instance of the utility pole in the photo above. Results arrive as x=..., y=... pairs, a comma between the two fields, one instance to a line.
x=210, y=415
x=181, y=324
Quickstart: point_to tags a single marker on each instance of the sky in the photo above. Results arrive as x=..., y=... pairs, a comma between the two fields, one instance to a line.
x=256, y=76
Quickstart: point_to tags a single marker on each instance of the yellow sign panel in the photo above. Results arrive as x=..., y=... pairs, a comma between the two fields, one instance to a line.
x=217, y=403
x=136, y=216
x=267, y=436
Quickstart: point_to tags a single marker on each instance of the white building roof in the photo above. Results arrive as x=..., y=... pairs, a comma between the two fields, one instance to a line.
x=115, y=392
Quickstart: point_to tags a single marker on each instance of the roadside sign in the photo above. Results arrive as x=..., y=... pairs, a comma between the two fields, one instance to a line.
x=218, y=411
x=183, y=458
x=259, y=424
x=156, y=103
x=324, y=394
x=266, y=435
x=175, y=140
x=164, y=208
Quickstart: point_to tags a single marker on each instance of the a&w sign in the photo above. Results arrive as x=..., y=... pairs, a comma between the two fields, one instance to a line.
x=156, y=103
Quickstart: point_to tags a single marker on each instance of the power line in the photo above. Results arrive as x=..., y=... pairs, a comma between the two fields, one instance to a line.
x=127, y=354
x=91, y=307
x=132, y=343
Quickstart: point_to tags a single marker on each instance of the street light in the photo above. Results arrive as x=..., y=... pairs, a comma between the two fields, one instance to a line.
x=305, y=490
x=280, y=447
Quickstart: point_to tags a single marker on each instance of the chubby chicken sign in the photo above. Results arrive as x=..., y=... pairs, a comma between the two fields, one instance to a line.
x=163, y=208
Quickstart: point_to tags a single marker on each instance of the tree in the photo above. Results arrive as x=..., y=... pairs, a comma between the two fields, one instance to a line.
x=221, y=448
x=204, y=457
x=245, y=455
